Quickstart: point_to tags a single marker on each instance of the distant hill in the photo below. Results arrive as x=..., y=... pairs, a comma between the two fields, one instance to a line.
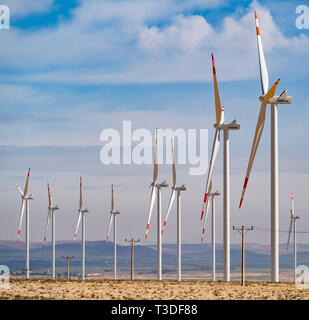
x=99, y=257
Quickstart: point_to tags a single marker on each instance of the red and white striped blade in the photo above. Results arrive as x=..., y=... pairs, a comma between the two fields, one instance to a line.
x=155, y=166
x=112, y=201
x=172, y=198
x=46, y=226
x=152, y=201
x=80, y=194
x=27, y=183
x=214, y=154
x=290, y=230
x=173, y=164
x=49, y=197
x=109, y=228
x=255, y=144
x=20, y=191
x=78, y=223
x=23, y=203
x=262, y=62
x=292, y=206
x=205, y=220
x=217, y=96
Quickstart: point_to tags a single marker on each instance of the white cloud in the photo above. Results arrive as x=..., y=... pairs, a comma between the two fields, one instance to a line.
x=185, y=33
x=122, y=42
x=21, y=8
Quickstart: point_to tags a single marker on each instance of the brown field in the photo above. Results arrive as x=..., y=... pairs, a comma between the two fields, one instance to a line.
x=149, y=289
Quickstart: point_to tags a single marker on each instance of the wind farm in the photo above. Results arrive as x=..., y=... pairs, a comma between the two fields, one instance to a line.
x=189, y=249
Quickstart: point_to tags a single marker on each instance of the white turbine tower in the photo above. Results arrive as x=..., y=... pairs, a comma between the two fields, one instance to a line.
x=51, y=215
x=81, y=216
x=220, y=126
x=112, y=219
x=268, y=97
x=213, y=228
x=25, y=203
x=293, y=224
x=172, y=198
x=158, y=186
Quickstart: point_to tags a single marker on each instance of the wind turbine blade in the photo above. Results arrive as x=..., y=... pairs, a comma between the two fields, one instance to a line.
x=292, y=206
x=214, y=154
x=27, y=183
x=255, y=144
x=152, y=201
x=172, y=198
x=19, y=189
x=262, y=62
x=112, y=204
x=49, y=197
x=109, y=228
x=290, y=230
x=217, y=96
x=205, y=220
x=21, y=218
x=155, y=167
x=46, y=226
x=173, y=164
x=80, y=194
x=272, y=91
x=78, y=222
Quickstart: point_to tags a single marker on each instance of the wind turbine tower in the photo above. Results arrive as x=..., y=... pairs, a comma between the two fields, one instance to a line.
x=51, y=215
x=156, y=187
x=172, y=198
x=221, y=126
x=81, y=216
x=113, y=215
x=25, y=203
x=293, y=224
x=213, y=229
x=268, y=97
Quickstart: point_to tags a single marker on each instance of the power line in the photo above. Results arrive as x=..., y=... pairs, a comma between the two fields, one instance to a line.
x=281, y=231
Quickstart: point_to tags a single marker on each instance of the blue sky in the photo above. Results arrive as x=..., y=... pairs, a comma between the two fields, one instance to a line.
x=70, y=69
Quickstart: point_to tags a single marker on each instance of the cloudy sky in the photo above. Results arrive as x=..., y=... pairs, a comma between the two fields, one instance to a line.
x=70, y=69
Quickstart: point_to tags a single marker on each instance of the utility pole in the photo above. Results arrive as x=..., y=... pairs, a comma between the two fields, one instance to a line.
x=132, y=241
x=68, y=265
x=243, y=231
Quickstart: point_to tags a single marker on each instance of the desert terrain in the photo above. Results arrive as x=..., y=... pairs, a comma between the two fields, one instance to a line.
x=149, y=289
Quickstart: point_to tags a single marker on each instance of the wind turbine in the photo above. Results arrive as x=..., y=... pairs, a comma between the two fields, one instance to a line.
x=154, y=185
x=293, y=223
x=172, y=198
x=25, y=202
x=220, y=126
x=268, y=97
x=112, y=219
x=81, y=216
x=51, y=214
x=213, y=228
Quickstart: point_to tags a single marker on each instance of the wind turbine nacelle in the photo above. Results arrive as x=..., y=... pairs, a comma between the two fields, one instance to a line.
x=282, y=99
x=230, y=126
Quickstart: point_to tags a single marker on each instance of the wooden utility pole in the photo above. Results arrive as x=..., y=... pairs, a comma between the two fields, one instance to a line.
x=132, y=241
x=243, y=231
x=68, y=266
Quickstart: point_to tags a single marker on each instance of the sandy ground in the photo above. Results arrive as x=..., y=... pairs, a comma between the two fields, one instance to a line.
x=149, y=289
